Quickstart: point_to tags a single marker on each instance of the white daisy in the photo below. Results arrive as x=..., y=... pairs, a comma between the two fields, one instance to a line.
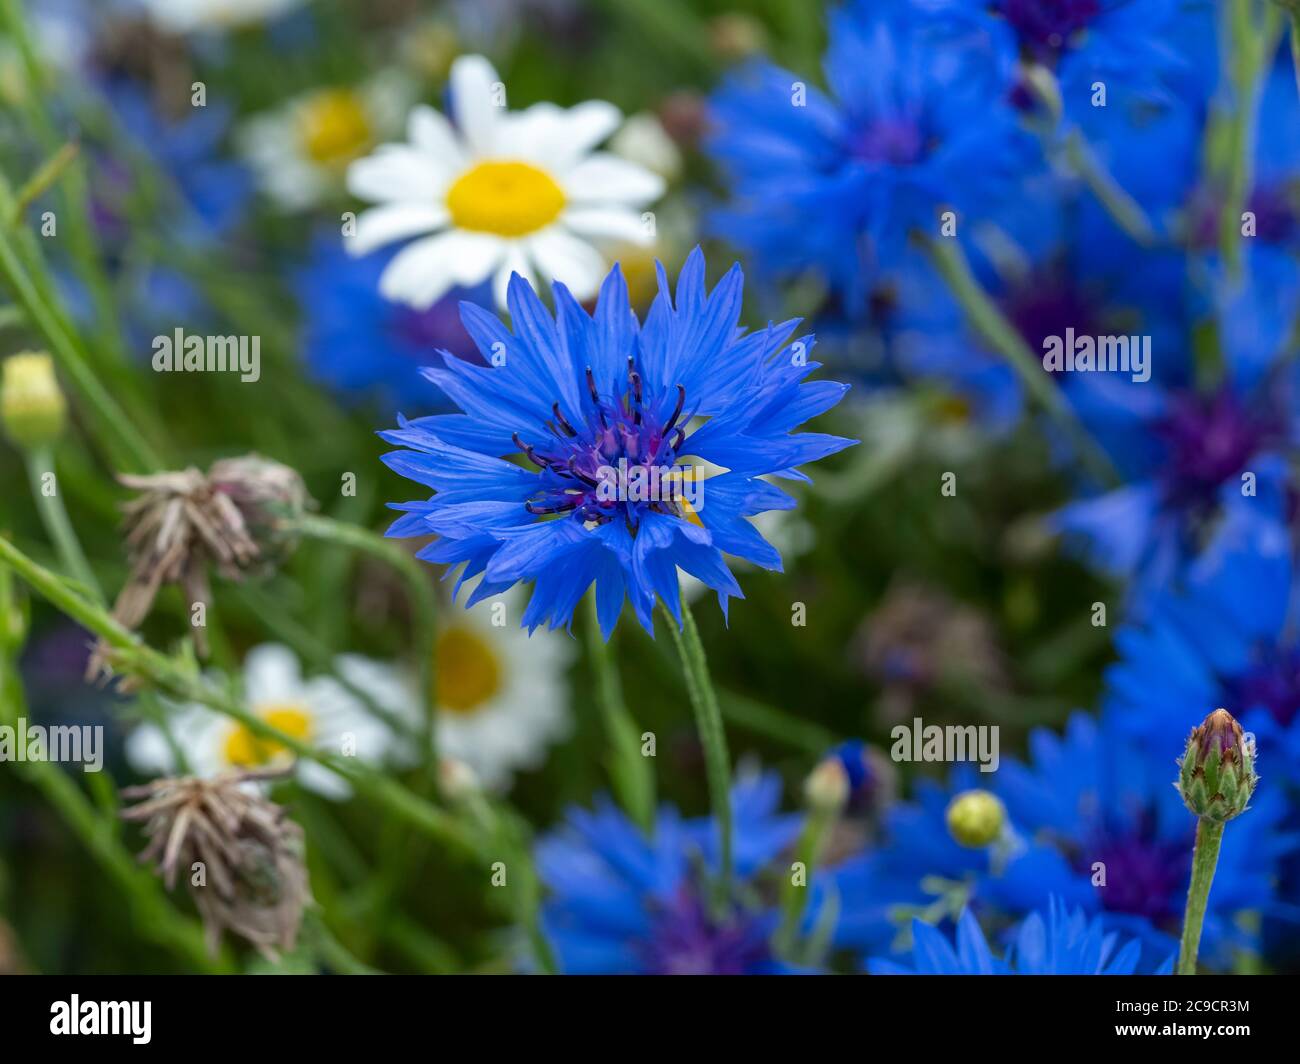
x=300, y=152
x=190, y=16
x=502, y=695
x=501, y=192
x=318, y=710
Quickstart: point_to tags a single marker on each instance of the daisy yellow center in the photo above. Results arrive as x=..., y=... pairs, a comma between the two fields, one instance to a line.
x=468, y=671
x=509, y=199
x=335, y=127
x=246, y=750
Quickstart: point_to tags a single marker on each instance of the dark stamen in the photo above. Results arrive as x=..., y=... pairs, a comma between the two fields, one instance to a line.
x=677, y=410
x=564, y=424
x=533, y=508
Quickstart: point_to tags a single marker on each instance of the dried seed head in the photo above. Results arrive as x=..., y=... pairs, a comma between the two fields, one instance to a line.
x=235, y=517
x=243, y=856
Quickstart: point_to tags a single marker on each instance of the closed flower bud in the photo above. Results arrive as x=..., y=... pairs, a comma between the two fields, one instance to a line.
x=32, y=406
x=1216, y=776
x=827, y=787
x=976, y=819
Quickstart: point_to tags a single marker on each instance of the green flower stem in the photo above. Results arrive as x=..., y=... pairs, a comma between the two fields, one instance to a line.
x=631, y=773
x=126, y=447
x=40, y=460
x=1295, y=45
x=794, y=899
x=424, y=605
x=950, y=261
x=713, y=737
x=1125, y=210
x=1249, y=48
x=152, y=914
x=1205, y=856
x=134, y=658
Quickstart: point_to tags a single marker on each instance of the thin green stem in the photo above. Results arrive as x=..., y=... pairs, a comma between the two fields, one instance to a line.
x=633, y=779
x=134, y=658
x=40, y=461
x=424, y=606
x=1295, y=46
x=713, y=736
x=1122, y=207
x=1205, y=857
x=985, y=317
x=794, y=898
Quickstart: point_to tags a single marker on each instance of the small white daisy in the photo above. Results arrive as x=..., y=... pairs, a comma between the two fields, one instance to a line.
x=190, y=16
x=502, y=695
x=301, y=151
x=501, y=192
x=318, y=710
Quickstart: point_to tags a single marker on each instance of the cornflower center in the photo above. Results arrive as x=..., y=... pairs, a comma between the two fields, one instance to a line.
x=686, y=940
x=1046, y=27
x=1208, y=439
x=621, y=461
x=1272, y=683
x=1144, y=875
x=506, y=198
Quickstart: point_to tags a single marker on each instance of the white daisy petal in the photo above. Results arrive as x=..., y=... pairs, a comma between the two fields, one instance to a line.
x=585, y=126
x=561, y=256
x=614, y=223
x=515, y=262
x=423, y=271
x=429, y=131
x=272, y=676
x=605, y=178
x=472, y=81
x=397, y=172
x=394, y=221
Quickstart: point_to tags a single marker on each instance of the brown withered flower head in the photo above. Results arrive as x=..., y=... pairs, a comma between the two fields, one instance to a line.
x=243, y=855
x=236, y=518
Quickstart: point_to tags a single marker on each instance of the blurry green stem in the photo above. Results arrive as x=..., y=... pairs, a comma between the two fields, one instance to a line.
x=985, y=317
x=1205, y=857
x=713, y=737
x=1295, y=46
x=632, y=776
x=794, y=899
x=40, y=460
x=424, y=606
x=134, y=658
x=1126, y=212
x=126, y=446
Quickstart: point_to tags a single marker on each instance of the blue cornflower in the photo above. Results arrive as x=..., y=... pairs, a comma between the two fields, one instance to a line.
x=1226, y=640
x=622, y=903
x=1085, y=41
x=916, y=124
x=1063, y=943
x=598, y=412
x=363, y=345
x=1092, y=820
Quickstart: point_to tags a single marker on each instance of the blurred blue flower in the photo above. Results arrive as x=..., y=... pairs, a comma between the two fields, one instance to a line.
x=622, y=903
x=915, y=124
x=1094, y=821
x=364, y=346
x=583, y=398
x=1065, y=943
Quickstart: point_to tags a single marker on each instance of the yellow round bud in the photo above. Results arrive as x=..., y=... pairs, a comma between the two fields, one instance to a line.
x=32, y=407
x=827, y=786
x=976, y=819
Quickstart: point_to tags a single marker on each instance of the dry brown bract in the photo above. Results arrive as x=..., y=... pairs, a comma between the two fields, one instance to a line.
x=243, y=855
x=233, y=517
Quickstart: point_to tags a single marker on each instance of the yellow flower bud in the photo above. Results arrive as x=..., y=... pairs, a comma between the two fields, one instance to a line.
x=32, y=407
